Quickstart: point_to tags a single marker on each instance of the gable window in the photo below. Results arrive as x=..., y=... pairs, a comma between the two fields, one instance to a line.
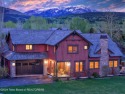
x=94, y=65
x=73, y=49
x=79, y=66
x=85, y=47
x=113, y=63
x=29, y=47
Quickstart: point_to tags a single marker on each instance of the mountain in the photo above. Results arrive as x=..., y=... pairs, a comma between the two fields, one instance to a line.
x=13, y=15
x=57, y=12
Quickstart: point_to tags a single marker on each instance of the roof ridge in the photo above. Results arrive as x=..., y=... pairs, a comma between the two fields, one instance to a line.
x=49, y=36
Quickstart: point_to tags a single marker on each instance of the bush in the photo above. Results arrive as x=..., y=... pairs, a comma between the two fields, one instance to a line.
x=56, y=79
x=3, y=72
x=95, y=75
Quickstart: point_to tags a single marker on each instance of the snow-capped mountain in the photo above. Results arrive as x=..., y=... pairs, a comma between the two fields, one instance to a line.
x=55, y=12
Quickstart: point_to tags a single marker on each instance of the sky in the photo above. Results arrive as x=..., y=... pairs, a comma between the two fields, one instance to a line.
x=100, y=5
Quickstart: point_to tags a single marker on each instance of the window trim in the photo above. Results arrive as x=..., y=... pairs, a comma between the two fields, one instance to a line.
x=72, y=49
x=83, y=68
x=94, y=64
x=113, y=63
x=13, y=48
x=29, y=47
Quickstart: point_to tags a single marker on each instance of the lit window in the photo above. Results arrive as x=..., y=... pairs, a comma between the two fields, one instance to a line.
x=28, y=47
x=93, y=65
x=85, y=47
x=63, y=69
x=113, y=63
x=72, y=49
x=81, y=68
x=110, y=63
x=78, y=66
x=96, y=64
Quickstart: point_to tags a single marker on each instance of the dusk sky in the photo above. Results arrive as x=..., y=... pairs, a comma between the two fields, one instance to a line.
x=101, y=5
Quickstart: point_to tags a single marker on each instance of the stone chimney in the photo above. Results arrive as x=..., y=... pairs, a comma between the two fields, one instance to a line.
x=104, y=56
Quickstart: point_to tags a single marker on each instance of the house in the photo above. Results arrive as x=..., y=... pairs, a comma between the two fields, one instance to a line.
x=63, y=53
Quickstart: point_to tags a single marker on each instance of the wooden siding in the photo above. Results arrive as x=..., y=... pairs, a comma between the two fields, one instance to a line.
x=35, y=48
x=51, y=53
x=82, y=55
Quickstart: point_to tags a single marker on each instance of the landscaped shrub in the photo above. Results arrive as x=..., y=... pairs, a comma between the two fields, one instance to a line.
x=95, y=75
x=55, y=79
x=3, y=72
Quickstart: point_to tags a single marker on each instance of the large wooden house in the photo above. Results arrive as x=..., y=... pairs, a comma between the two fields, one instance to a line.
x=64, y=53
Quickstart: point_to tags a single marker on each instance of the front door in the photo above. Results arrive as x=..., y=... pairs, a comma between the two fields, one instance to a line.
x=79, y=68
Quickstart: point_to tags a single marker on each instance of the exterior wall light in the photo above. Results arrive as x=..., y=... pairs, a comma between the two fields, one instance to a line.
x=13, y=64
x=45, y=61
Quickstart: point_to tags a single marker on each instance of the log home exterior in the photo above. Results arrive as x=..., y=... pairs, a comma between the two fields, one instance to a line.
x=63, y=53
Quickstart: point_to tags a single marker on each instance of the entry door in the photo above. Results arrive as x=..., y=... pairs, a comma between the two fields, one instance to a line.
x=79, y=68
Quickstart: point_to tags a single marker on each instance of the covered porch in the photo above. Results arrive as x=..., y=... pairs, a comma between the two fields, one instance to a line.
x=25, y=63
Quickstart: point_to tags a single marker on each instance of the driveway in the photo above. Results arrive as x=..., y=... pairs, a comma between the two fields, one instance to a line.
x=24, y=81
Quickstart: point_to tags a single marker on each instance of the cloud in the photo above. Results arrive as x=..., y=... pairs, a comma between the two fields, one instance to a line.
x=25, y=5
x=103, y=2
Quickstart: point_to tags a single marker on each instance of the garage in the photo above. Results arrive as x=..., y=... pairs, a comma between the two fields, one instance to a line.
x=29, y=67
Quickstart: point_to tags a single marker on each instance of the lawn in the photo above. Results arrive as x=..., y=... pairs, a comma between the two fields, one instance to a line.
x=113, y=85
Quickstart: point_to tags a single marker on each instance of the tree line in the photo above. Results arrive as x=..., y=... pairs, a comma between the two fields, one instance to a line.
x=111, y=25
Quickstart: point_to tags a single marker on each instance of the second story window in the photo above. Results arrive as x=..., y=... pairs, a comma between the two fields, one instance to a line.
x=73, y=49
x=29, y=47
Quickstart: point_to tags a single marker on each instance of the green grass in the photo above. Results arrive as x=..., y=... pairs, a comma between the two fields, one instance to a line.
x=113, y=85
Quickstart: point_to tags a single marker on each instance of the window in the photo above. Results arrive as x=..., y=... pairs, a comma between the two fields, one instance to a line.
x=113, y=63
x=73, y=49
x=94, y=64
x=78, y=66
x=85, y=47
x=28, y=47
x=63, y=69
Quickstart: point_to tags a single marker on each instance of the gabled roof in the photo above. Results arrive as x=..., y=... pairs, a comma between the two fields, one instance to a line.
x=52, y=37
x=95, y=39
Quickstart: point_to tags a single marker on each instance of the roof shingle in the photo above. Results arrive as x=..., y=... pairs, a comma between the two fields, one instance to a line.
x=53, y=37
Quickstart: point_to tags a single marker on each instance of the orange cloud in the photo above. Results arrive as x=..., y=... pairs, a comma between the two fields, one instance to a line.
x=25, y=5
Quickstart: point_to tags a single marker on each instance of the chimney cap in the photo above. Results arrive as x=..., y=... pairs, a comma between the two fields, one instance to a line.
x=103, y=37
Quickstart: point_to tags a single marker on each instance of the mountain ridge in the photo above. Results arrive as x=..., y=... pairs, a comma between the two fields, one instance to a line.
x=56, y=12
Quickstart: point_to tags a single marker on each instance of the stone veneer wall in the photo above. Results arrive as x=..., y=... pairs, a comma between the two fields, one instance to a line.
x=12, y=69
x=104, y=58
